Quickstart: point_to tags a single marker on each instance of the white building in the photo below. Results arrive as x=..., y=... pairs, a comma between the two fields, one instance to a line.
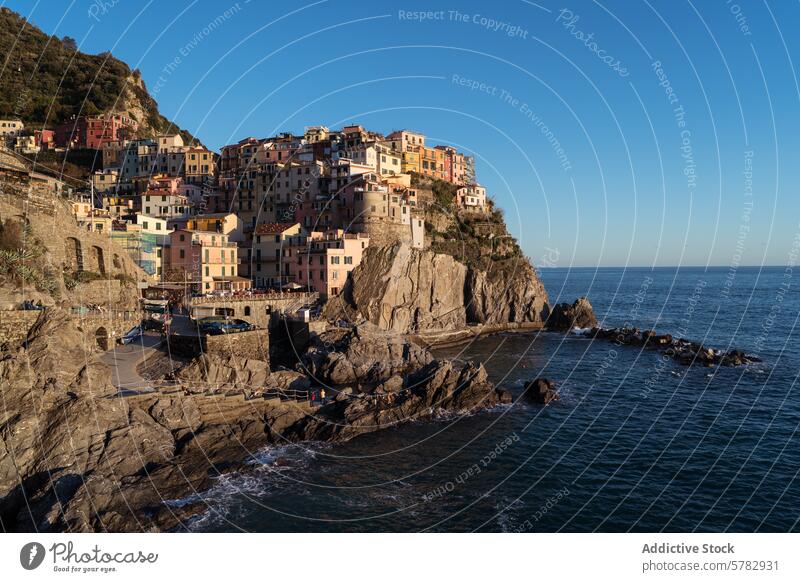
x=472, y=197
x=11, y=127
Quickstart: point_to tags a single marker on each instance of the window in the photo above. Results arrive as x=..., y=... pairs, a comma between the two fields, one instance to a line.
x=247, y=310
x=334, y=260
x=348, y=260
x=335, y=275
x=182, y=254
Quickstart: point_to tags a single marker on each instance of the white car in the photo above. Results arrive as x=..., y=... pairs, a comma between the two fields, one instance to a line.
x=132, y=335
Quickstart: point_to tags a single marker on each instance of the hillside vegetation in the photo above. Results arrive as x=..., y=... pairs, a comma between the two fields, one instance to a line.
x=45, y=80
x=475, y=239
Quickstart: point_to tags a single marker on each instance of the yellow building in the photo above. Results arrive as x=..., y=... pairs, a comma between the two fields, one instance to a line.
x=411, y=162
x=198, y=165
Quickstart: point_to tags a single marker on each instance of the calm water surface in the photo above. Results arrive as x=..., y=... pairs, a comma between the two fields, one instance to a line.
x=636, y=443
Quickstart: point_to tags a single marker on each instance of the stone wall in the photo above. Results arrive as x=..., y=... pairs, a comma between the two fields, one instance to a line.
x=104, y=330
x=384, y=233
x=101, y=331
x=251, y=345
x=256, y=309
x=244, y=345
x=68, y=248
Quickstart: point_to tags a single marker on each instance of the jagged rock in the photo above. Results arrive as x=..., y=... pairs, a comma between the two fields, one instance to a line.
x=218, y=372
x=541, y=391
x=408, y=290
x=393, y=384
x=223, y=372
x=441, y=386
x=402, y=289
x=364, y=355
x=565, y=317
x=505, y=396
x=515, y=297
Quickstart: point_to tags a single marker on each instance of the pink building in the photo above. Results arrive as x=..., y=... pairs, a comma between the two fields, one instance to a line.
x=45, y=138
x=208, y=259
x=326, y=259
x=93, y=132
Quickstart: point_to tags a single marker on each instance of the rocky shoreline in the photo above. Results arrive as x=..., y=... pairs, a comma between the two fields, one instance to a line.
x=78, y=456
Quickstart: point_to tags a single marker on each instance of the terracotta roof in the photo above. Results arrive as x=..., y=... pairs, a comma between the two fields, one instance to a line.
x=274, y=227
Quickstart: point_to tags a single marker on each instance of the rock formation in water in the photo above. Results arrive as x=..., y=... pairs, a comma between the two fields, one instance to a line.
x=407, y=290
x=440, y=386
x=540, y=391
x=565, y=317
x=681, y=350
x=363, y=354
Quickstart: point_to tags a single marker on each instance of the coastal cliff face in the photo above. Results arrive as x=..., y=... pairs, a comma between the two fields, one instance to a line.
x=516, y=295
x=401, y=289
x=406, y=290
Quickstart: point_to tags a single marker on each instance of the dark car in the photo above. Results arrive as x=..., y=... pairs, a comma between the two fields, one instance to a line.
x=234, y=325
x=215, y=326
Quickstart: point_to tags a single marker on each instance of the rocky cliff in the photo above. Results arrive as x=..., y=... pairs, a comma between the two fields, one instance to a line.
x=406, y=290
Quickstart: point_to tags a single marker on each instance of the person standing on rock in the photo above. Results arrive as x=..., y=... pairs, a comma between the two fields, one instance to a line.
x=322, y=396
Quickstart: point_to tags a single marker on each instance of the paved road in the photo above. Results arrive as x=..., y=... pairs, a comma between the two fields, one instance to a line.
x=124, y=360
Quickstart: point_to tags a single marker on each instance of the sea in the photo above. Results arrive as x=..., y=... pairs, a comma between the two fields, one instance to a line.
x=636, y=442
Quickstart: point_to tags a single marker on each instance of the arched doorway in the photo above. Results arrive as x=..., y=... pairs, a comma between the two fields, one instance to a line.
x=101, y=263
x=73, y=254
x=101, y=337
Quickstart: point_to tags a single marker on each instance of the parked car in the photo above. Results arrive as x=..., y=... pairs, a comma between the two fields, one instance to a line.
x=131, y=335
x=218, y=326
x=236, y=325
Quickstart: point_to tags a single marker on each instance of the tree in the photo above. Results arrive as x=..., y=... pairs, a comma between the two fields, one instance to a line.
x=70, y=44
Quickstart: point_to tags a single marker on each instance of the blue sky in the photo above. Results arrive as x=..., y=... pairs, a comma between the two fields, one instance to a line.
x=614, y=133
